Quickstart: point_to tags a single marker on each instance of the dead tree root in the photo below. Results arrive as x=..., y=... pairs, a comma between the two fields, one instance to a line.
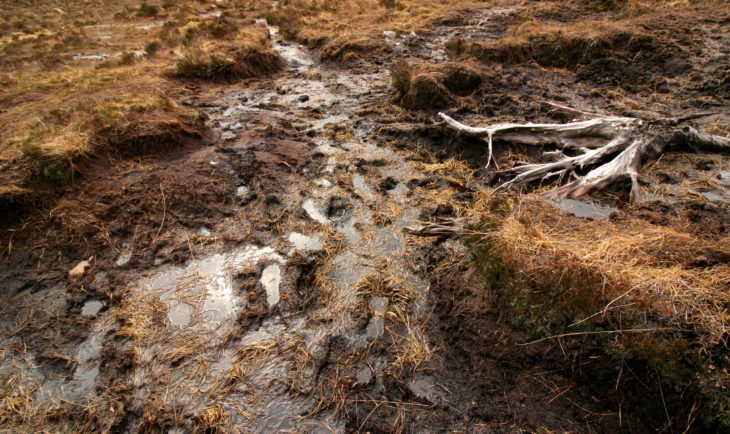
x=607, y=151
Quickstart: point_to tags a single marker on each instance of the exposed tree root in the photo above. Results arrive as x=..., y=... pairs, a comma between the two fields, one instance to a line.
x=607, y=150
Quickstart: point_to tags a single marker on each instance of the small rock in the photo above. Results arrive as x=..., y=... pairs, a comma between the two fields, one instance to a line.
x=304, y=98
x=228, y=135
x=80, y=269
x=242, y=191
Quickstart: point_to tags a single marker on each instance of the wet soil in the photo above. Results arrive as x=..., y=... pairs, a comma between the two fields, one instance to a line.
x=263, y=282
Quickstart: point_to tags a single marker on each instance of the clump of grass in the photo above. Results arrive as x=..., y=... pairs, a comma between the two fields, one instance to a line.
x=127, y=58
x=196, y=63
x=433, y=86
x=147, y=10
x=152, y=48
x=400, y=74
x=630, y=288
x=395, y=288
x=391, y=4
x=413, y=348
x=220, y=27
x=205, y=63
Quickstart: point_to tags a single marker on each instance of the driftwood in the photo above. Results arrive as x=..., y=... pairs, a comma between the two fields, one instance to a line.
x=606, y=150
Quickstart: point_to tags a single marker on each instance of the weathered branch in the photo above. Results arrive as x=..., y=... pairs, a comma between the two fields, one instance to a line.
x=614, y=150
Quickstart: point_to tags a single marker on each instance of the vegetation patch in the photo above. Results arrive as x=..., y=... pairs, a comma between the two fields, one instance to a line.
x=606, y=53
x=422, y=87
x=248, y=55
x=346, y=49
x=625, y=296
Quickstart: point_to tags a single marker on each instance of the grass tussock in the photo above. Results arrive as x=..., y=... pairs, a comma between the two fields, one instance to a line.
x=231, y=55
x=422, y=87
x=639, y=292
x=628, y=50
x=395, y=288
x=215, y=64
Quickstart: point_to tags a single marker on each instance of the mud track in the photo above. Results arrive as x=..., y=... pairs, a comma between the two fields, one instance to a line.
x=270, y=287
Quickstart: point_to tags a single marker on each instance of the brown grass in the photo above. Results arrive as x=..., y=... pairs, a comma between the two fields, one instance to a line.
x=629, y=288
x=353, y=28
x=55, y=110
x=247, y=55
x=602, y=264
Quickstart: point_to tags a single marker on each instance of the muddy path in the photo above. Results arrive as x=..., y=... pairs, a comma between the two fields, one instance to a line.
x=302, y=306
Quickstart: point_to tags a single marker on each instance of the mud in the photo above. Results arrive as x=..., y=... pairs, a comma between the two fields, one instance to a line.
x=257, y=277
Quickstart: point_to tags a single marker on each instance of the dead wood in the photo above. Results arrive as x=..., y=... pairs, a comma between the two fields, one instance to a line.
x=607, y=151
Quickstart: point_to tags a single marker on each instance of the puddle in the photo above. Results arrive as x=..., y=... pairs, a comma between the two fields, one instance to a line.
x=400, y=191
x=422, y=388
x=323, y=183
x=585, y=210
x=270, y=280
x=294, y=54
x=358, y=181
x=202, y=296
x=364, y=376
x=180, y=315
x=304, y=242
x=99, y=57
x=87, y=369
x=376, y=326
x=715, y=196
x=350, y=232
x=242, y=191
x=224, y=362
x=91, y=308
x=213, y=14
x=214, y=277
x=313, y=211
x=124, y=258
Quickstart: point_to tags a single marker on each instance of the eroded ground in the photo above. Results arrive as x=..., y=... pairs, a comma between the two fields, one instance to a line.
x=257, y=277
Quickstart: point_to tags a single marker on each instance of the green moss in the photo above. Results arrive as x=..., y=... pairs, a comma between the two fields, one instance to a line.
x=56, y=172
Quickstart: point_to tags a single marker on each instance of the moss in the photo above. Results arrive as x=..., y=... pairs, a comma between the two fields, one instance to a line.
x=56, y=172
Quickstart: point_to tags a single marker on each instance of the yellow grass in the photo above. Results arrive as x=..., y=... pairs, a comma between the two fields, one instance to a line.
x=636, y=262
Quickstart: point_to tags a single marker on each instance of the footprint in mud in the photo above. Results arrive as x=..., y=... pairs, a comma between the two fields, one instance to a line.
x=338, y=208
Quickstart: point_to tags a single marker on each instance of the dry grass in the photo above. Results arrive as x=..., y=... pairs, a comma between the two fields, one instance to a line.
x=385, y=284
x=412, y=347
x=353, y=28
x=625, y=287
x=648, y=266
x=247, y=54
x=55, y=109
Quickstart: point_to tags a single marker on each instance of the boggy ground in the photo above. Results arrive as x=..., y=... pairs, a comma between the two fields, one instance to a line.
x=255, y=276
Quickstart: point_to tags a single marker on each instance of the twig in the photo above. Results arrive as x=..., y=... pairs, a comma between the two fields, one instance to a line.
x=574, y=110
x=661, y=393
x=164, y=213
x=602, y=332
